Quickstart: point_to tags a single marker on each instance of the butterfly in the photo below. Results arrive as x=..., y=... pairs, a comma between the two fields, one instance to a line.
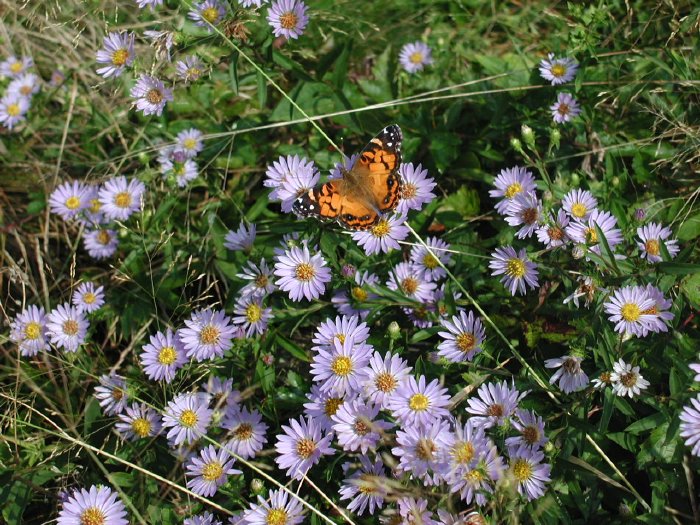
x=364, y=192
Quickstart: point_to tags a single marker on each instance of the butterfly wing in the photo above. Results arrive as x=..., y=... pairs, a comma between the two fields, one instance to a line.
x=324, y=201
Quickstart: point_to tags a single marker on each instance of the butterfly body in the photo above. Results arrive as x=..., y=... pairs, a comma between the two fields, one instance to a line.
x=371, y=187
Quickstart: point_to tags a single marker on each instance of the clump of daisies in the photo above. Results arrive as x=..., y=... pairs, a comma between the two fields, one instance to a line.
x=21, y=86
x=178, y=161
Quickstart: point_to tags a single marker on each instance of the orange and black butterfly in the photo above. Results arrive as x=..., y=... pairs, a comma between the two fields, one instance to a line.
x=367, y=190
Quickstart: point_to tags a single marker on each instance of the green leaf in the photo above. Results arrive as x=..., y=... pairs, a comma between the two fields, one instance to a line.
x=262, y=91
x=691, y=288
x=233, y=72
x=678, y=268
x=690, y=229
x=646, y=423
x=606, y=247
x=292, y=348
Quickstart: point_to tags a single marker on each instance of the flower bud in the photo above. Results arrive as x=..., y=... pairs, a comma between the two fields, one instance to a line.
x=394, y=330
x=516, y=145
x=348, y=270
x=257, y=486
x=528, y=136
x=554, y=137
x=640, y=214
x=578, y=251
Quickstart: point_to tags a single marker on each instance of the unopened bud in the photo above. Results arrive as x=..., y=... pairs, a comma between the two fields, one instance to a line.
x=640, y=214
x=348, y=270
x=528, y=136
x=516, y=145
x=575, y=179
x=257, y=486
x=578, y=251
x=267, y=359
x=394, y=330
x=554, y=137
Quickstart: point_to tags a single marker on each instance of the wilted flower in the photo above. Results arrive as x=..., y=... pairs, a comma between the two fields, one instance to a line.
x=260, y=279
x=570, y=376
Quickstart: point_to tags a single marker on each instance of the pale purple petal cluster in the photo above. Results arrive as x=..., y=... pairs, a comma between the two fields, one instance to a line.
x=367, y=487
x=13, y=109
x=138, y=421
x=418, y=402
x=690, y=425
x=357, y=427
x=111, y=394
x=531, y=430
x=151, y=95
x=163, y=356
x=69, y=199
x=117, y=52
x=516, y=269
x=579, y=204
x=423, y=450
x=427, y=262
x=188, y=417
x=241, y=239
x=66, y=327
x=247, y=431
x=630, y=308
x=251, y=315
x=626, y=380
x=190, y=68
x=350, y=302
x=383, y=236
x=208, y=470
x=414, y=56
x=260, y=277
x=301, y=446
x=565, y=108
x=207, y=334
x=383, y=376
x=417, y=187
x=207, y=13
x=25, y=85
x=585, y=232
x=14, y=66
x=88, y=298
x=495, y=404
x=302, y=275
x=290, y=177
x=28, y=331
x=288, y=18
x=525, y=210
x=101, y=243
x=509, y=183
x=529, y=472
x=553, y=232
x=269, y=511
x=120, y=198
x=558, y=70
x=463, y=337
x=651, y=237
x=569, y=374
x=410, y=280
x=338, y=368
x=85, y=507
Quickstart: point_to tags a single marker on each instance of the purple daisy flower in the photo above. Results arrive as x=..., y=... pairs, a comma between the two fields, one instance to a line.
x=463, y=338
x=525, y=210
x=495, y=404
x=339, y=369
x=98, y=505
x=151, y=95
x=188, y=417
x=301, y=446
x=207, y=13
x=659, y=311
x=322, y=407
x=190, y=69
x=467, y=444
x=356, y=426
x=163, y=356
x=290, y=177
x=553, y=233
x=138, y=421
x=414, y=56
x=579, y=204
x=626, y=380
x=69, y=199
x=347, y=302
x=509, y=183
x=101, y=243
x=183, y=172
x=366, y=487
x=278, y=509
x=529, y=472
x=565, y=108
x=516, y=268
x=584, y=232
x=202, y=519
x=340, y=329
x=87, y=298
x=417, y=188
x=251, y=3
x=415, y=511
x=207, y=334
x=409, y=279
x=558, y=70
x=91, y=214
x=111, y=394
x=121, y=198
x=25, y=85
x=288, y=18
x=531, y=428
x=476, y=479
x=28, y=330
x=66, y=327
x=260, y=278
x=627, y=308
x=383, y=236
x=427, y=263
x=422, y=450
x=149, y=3
x=302, y=275
x=690, y=425
x=190, y=142
x=246, y=431
x=695, y=367
x=383, y=376
x=209, y=470
x=251, y=315
x=418, y=403
x=221, y=392
x=570, y=376
x=14, y=67
x=652, y=236
x=117, y=52
x=241, y=239
x=13, y=109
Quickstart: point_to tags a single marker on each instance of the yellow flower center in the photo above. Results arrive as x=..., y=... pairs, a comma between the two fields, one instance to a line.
x=32, y=330
x=141, y=427
x=305, y=447
x=463, y=452
x=89, y=297
x=418, y=402
x=430, y=262
x=189, y=143
x=288, y=20
x=179, y=169
x=253, y=313
x=629, y=379
x=72, y=202
x=194, y=72
x=120, y=56
x=104, y=237
x=212, y=471
x=276, y=517
x=341, y=366
x=167, y=355
x=409, y=285
x=95, y=205
x=211, y=15
x=304, y=272
x=122, y=199
x=652, y=247
x=425, y=448
x=70, y=327
x=385, y=382
x=513, y=190
x=331, y=406
x=92, y=516
x=13, y=110
x=515, y=268
x=474, y=477
x=154, y=96
x=381, y=228
x=531, y=435
x=359, y=294
x=188, y=418
x=416, y=57
x=465, y=342
x=630, y=312
x=368, y=484
x=209, y=335
x=243, y=432
x=16, y=67
x=591, y=235
x=579, y=210
x=558, y=70
x=522, y=470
